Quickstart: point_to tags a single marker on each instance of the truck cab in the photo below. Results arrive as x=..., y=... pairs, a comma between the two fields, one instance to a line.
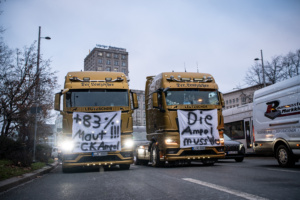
x=184, y=119
x=97, y=120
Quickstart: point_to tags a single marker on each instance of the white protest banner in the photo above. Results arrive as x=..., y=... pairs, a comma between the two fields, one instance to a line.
x=93, y=132
x=198, y=128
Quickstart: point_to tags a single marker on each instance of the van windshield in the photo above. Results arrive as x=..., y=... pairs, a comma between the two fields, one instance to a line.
x=96, y=97
x=192, y=96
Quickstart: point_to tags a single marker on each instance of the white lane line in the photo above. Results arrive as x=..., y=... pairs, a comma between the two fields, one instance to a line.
x=225, y=189
x=283, y=170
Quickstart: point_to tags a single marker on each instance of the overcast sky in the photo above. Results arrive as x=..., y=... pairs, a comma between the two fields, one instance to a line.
x=221, y=37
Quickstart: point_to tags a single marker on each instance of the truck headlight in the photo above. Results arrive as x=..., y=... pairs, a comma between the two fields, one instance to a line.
x=67, y=145
x=170, y=141
x=128, y=143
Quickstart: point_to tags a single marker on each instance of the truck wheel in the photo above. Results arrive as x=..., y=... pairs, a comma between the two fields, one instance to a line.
x=284, y=157
x=239, y=159
x=140, y=162
x=155, y=156
x=137, y=161
x=66, y=170
x=124, y=166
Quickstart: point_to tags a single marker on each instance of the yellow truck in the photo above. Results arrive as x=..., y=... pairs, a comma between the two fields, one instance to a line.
x=184, y=120
x=97, y=120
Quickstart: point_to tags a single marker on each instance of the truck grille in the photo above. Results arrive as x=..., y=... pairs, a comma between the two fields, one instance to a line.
x=99, y=158
x=195, y=153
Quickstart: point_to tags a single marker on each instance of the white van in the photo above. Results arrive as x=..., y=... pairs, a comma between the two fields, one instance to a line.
x=276, y=120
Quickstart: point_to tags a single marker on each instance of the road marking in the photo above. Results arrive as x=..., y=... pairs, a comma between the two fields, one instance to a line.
x=283, y=170
x=225, y=189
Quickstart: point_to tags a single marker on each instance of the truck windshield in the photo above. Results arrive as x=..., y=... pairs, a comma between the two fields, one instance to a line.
x=192, y=96
x=96, y=97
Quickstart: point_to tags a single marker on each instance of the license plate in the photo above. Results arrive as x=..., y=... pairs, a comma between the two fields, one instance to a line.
x=232, y=152
x=198, y=148
x=99, y=154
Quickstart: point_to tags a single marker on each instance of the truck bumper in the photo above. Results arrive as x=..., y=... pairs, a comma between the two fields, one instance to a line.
x=86, y=159
x=189, y=154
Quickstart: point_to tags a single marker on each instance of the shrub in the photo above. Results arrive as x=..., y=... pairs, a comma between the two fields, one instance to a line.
x=43, y=152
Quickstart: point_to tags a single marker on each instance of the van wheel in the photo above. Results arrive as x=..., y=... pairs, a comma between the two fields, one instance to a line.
x=284, y=157
x=155, y=156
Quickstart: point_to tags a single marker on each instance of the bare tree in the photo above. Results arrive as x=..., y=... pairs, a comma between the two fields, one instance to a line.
x=18, y=81
x=291, y=64
x=254, y=75
x=280, y=68
x=273, y=70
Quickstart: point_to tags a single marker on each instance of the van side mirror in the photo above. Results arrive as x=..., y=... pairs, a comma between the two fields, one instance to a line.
x=155, y=100
x=222, y=100
x=135, y=101
x=57, y=101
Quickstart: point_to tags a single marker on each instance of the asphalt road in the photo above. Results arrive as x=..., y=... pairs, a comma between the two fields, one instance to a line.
x=255, y=178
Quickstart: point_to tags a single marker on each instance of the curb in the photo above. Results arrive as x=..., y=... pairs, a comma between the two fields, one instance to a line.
x=15, y=181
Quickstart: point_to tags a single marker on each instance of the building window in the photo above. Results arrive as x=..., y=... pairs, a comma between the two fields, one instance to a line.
x=124, y=71
x=99, y=68
x=124, y=64
x=116, y=55
x=226, y=101
x=233, y=100
x=123, y=57
x=108, y=69
x=243, y=99
x=108, y=62
x=108, y=55
x=100, y=54
x=116, y=63
x=230, y=101
x=237, y=100
x=116, y=69
x=100, y=61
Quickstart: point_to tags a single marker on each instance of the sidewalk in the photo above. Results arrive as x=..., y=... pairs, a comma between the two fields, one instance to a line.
x=15, y=181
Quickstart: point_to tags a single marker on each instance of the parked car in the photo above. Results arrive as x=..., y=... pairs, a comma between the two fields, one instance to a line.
x=234, y=149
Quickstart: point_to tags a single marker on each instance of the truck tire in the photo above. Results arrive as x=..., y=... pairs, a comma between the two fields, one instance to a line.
x=284, y=156
x=239, y=159
x=140, y=161
x=66, y=170
x=124, y=166
x=155, y=156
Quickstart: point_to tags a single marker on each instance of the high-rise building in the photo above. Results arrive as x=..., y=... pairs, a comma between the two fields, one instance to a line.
x=107, y=58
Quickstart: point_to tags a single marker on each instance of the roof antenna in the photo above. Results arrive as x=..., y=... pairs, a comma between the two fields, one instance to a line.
x=184, y=67
x=197, y=67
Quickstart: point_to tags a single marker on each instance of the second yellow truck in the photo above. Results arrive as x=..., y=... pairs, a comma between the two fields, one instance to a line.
x=184, y=119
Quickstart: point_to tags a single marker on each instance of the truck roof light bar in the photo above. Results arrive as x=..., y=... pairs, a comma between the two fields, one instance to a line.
x=87, y=79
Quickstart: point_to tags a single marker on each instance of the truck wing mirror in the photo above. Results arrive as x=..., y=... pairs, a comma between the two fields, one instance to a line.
x=222, y=99
x=57, y=101
x=155, y=100
x=135, y=101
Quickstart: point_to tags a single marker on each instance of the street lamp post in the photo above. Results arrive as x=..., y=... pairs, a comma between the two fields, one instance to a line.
x=37, y=88
x=263, y=67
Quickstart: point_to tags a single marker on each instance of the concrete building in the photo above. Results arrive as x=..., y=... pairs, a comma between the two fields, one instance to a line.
x=107, y=58
x=139, y=115
x=240, y=97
